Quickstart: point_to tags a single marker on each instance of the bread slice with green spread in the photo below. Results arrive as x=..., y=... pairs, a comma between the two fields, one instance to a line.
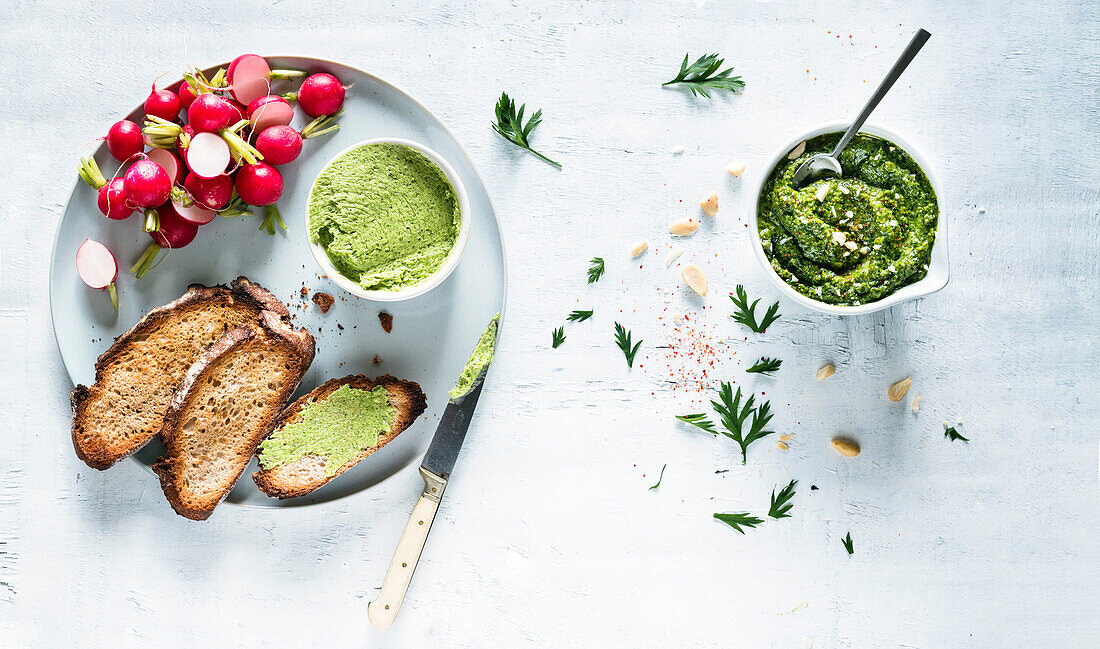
x=224, y=407
x=136, y=377
x=333, y=428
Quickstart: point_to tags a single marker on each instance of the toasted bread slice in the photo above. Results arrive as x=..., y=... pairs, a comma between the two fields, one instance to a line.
x=308, y=473
x=136, y=377
x=224, y=407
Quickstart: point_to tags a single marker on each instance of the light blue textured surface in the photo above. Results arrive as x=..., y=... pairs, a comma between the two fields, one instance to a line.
x=549, y=535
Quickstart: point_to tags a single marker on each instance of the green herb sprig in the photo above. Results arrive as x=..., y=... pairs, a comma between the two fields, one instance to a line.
x=781, y=504
x=746, y=313
x=579, y=316
x=622, y=339
x=595, y=271
x=559, y=337
x=511, y=127
x=734, y=415
x=950, y=433
x=659, y=479
x=703, y=75
x=765, y=366
x=699, y=420
x=739, y=520
x=847, y=541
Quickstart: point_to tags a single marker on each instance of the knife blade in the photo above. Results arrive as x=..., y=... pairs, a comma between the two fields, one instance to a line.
x=435, y=469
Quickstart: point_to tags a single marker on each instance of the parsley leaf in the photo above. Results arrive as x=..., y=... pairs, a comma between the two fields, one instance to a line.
x=734, y=416
x=622, y=339
x=662, y=477
x=736, y=521
x=559, y=337
x=950, y=433
x=781, y=504
x=595, y=271
x=579, y=316
x=765, y=366
x=511, y=127
x=699, y=420
x=703, y=75
x=847, y=541
x=746, y=314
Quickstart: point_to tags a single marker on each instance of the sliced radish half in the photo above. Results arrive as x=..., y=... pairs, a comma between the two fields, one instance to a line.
x=169, y=162
x=194, y=213
x=269, y=110
x=248, y=77
x=208, y=155
x=97, y=267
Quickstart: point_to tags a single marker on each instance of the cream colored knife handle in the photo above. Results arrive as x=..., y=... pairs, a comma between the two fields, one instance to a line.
x=383, y=611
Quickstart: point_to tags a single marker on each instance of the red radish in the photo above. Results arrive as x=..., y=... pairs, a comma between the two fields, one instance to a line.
x=269, y=110
x=209, y=113
x=184, y=140
x=112, y=200
x=321, y=94
x=186, y=95
x=207, y=155
x=194, y=213
x=239, y=110
x=146, y=184
x=211, y=193
x=169, y=162
x=97, y=267
x=174, y=231
x=124, y=140
x=248, y=78
x=279, y=144
x=164, y=104
x=259, y=184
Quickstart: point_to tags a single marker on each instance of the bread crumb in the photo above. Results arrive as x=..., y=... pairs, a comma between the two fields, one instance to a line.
x=639, y=249
x=386, y=320
x=324, y=301
x=709, y=205
x=735, y=168
x=376, y=360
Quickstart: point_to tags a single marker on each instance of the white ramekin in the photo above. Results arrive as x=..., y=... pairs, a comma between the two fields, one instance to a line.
x=433, y=280
x=938, y=266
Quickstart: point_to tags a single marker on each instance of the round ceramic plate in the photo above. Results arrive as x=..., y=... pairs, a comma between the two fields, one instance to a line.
x=432, y=335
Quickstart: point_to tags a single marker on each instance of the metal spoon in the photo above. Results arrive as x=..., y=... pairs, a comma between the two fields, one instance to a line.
x=824, y=165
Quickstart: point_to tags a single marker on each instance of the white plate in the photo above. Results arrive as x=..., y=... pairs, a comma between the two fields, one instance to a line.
x=432, y=336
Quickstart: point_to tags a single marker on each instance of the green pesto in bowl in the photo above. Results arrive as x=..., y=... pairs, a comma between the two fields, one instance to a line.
x=851, y=239
x=385, y=215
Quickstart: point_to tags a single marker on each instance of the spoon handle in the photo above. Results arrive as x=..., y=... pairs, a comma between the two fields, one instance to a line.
x=919, y=39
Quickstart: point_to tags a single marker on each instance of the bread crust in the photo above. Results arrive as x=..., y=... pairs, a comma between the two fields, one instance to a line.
x=249, y=294
x=306, y=474
x=271, y=324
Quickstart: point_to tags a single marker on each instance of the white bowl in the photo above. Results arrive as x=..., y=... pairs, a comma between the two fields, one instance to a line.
x=433, y=280
x=938, y=266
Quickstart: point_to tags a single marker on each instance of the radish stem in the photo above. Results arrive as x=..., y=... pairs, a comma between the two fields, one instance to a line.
x=236, y=207
x=145, y=262
x=286, y=74
x=160, y=133
x=271, y=217
x=152, y=220
x=90, y=173
x=321, y=125
x=290, y=96
x=240, y=149
x=180, y=195
x=114, y=295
